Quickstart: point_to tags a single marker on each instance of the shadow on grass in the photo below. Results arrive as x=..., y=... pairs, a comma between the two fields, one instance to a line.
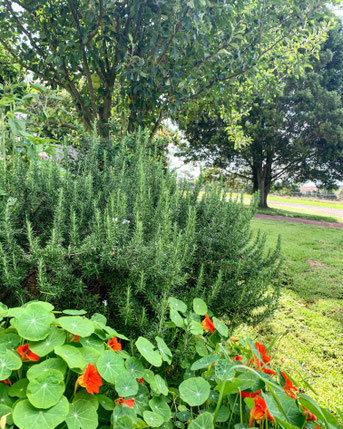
x=302, y=215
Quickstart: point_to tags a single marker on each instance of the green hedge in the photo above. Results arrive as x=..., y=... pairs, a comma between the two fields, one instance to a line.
x=68, y=371
x=113, y=231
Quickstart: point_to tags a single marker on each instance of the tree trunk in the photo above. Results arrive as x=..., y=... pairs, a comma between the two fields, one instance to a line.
x=104, y=116
x=264, y=183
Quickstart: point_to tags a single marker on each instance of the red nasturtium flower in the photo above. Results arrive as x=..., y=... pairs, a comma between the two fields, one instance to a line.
x=310, y=417
x=261, y=365
x=75, y=339
x=260, y=411
x=129, y=402
x=26, y=353
x=90, y=379
x=289, y=386
x=141, y=380
x=114, y=344
x=207, y=324
x=250, y=395
x=7, y=382
x=238, y=357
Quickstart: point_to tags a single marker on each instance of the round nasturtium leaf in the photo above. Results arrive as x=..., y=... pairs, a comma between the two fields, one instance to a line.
x=204, y=362
x=147, y=350
x=196, y=328
x=4, y=395
x=5, y=415
x=200, y=307
x=46, y=305
x=124, y=422
x=90, y=355
x=82, y=416
x=9, y=341
x=45, y=366
x=84, y=395
x=160, y=406
x=176, y=318
x=56, y=337
x=74, y=312
x=195, y=391
x=100, y=318
x=24, y=414
x=8, y=362
x=224, y=369
x=106, y=402
x=18, y=389
x=204, y=421
x=94, y=342
x=164, y=349
x=77, y=325
x=153, y=419
x=161, y=385
x=110, y=365
x=177, y=304
x=126, y=385
x=46, y=390
x=71, y=355
x=34, y=323
x=135, y=367
x=221, y=327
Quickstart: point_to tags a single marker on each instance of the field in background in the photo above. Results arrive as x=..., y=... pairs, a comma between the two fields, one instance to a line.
x=301, y=213
x=311, y=307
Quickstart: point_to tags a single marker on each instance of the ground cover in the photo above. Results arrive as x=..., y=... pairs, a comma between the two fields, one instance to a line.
x=304, y=214
x=311, y=307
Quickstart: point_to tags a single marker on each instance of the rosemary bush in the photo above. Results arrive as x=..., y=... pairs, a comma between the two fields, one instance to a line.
x=114, y=231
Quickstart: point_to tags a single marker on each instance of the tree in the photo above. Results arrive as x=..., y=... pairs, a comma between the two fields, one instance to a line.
x=298, y=136
x=158, y=54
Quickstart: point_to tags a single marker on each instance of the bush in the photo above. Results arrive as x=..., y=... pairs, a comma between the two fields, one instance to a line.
x=113, y=231
x=72, y=371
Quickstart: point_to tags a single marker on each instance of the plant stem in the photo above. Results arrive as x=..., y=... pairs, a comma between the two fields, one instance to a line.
x=221, y=394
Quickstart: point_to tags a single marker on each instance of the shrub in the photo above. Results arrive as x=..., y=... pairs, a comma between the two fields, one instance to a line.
x=75, y=372
x=114, y=227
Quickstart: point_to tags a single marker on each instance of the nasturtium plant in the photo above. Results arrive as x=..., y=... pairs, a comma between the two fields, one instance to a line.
x=69, y=371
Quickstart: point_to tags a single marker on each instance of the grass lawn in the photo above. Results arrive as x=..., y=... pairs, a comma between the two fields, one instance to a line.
x=295, y=212
x=311, y=307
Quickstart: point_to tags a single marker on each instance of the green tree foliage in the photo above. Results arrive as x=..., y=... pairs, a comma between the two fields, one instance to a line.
x=115, y=226
x=297, y=136
x=156, y=54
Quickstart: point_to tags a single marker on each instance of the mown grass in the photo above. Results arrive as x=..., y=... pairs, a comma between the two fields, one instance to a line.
x=300, y=213
x=311, y=308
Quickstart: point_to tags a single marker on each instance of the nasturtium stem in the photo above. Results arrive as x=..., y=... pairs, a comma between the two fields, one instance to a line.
x=220, y=399
x=240, y=408
x=232, y=411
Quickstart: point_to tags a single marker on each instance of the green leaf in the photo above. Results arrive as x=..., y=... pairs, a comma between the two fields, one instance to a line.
x=195, y=391
x=24, y=414
x=106, y=402
x=18, y=389
x=34, y=323
x=9, y=341
x=124, y=422
x=94, y=342
x=74, y=313
x=82, y=416
x=100, y=318
x=204, y=421
x=90, y=355
x=77, y=325
x=177, y=304
x=45, y=366
x=196, y=328
x=71, y=355
x=224, y=369
x=8, y=362
x=200, y=306
x=120, y=411
x=46, y=390
x=160, y=406
x=201, y=348
x=312, y=406
x=110, y=365
x=154, y=420
x=285, y=409
x=126, y=385
x=4, y=395
x=147, y=350
x=85, y=396
x=6, y=410
x=176, y=318
x=161, y=385
x=221, y=327
x=135, y=367
x=164, y=349
x=56, y=337
x=204, y=362
x=223, y=414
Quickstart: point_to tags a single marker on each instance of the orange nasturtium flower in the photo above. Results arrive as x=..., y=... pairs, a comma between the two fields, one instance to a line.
x=289, y=386
x=75, y=339
x=261, y=365
x=7, y=382
x=114, y=344
x=141, y=380
x=90, y=379
x=250, y=395
x=207, y=324
x=129, y=402
x=26, y=353
x=260, y=411
x=238, y=357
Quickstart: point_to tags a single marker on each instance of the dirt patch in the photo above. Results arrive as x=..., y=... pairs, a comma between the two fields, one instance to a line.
x=316, y=264
x=301, y=220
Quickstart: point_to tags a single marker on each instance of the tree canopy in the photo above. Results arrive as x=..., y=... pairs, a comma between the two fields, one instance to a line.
x=298, y=136
x=153, y=56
